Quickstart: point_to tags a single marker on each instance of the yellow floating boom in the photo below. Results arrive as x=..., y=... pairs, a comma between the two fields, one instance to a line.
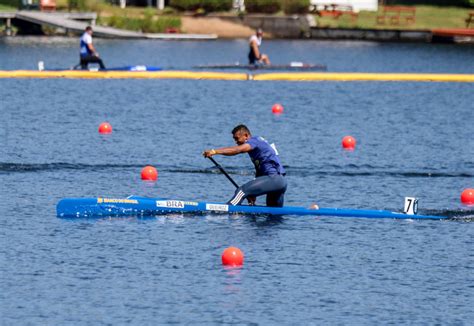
x=348, y=76
x=288, y=76
x=81, y=74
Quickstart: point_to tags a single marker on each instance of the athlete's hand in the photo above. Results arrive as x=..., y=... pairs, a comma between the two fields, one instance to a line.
x=209, y=152
x=252, y=200
x=314, y=206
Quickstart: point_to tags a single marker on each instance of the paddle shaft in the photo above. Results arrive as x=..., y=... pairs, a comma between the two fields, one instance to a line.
x=224, y=172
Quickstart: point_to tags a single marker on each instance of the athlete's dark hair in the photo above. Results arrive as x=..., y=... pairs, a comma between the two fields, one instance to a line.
x=242, y=128
x=88, y=28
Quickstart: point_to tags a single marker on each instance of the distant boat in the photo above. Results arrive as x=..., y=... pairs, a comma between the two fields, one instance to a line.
x=129, y=68
x=136, y=68
x=93, y=67
x=292, y=66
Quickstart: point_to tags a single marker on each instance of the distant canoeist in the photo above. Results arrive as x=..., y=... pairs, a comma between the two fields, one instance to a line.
x=88, y=53
x=269, y=172
x=255, y=56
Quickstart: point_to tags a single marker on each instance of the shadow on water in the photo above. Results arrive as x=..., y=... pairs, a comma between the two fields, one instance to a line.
x=262, y=221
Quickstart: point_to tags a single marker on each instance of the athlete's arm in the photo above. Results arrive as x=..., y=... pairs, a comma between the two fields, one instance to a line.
x=228, y=151
x=92, y=49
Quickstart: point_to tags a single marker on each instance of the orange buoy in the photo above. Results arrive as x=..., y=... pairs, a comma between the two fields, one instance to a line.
x=467, y=196
x=105, y=128
x=149, y=173
x=348, y=142
x=232, y=256
x=277, y=108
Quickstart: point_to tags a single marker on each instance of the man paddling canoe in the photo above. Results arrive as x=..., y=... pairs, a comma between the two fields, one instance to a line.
x=255, y=56
x=88, y=53
x=269, y=172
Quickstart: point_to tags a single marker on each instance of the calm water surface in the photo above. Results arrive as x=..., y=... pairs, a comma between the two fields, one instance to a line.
x=414, y=139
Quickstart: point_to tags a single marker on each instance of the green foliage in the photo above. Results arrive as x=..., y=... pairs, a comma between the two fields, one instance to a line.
x=82, y=5
x=189, y=5
x=147, y=24
x=263, y=6
x=207, y=5
x=163, y=23
x=147, y=21
x=172, y=11
x=296, y=6
x=217, y=5
x=10, y=4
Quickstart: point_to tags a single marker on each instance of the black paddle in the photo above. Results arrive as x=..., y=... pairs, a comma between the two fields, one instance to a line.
x=224, y=172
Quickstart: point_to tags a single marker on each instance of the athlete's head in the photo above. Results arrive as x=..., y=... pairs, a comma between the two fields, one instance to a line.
x=240, y=134
x=89, y=29
x=259, y=32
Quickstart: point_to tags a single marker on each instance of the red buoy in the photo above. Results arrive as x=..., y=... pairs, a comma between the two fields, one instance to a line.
x=105, y=128
x=232, y=256
x=348, y=142
x=467, y=196
x=277, y=108
x=149, y=173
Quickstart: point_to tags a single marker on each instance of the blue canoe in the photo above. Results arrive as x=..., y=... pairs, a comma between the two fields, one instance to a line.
x=135, y=68
x=141, y=206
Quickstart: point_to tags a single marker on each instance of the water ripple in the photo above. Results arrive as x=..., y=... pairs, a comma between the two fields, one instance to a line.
x=326, y=170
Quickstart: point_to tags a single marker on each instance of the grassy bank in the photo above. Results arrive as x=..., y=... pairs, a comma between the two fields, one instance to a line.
x=152, y=21
x=6, y=8
x=427, y=17
x=9, y=5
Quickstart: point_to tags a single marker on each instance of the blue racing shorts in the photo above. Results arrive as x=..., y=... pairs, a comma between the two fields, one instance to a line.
x=274, y=186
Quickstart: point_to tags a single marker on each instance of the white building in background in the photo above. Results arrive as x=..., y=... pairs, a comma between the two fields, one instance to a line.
x=357, y=5
x=239, y=5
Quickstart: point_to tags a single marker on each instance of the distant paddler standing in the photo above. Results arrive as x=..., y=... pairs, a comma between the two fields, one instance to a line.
x=88, y=53
x=255, y=56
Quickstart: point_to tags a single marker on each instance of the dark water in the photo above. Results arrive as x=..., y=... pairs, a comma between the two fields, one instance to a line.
x=414, y=139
